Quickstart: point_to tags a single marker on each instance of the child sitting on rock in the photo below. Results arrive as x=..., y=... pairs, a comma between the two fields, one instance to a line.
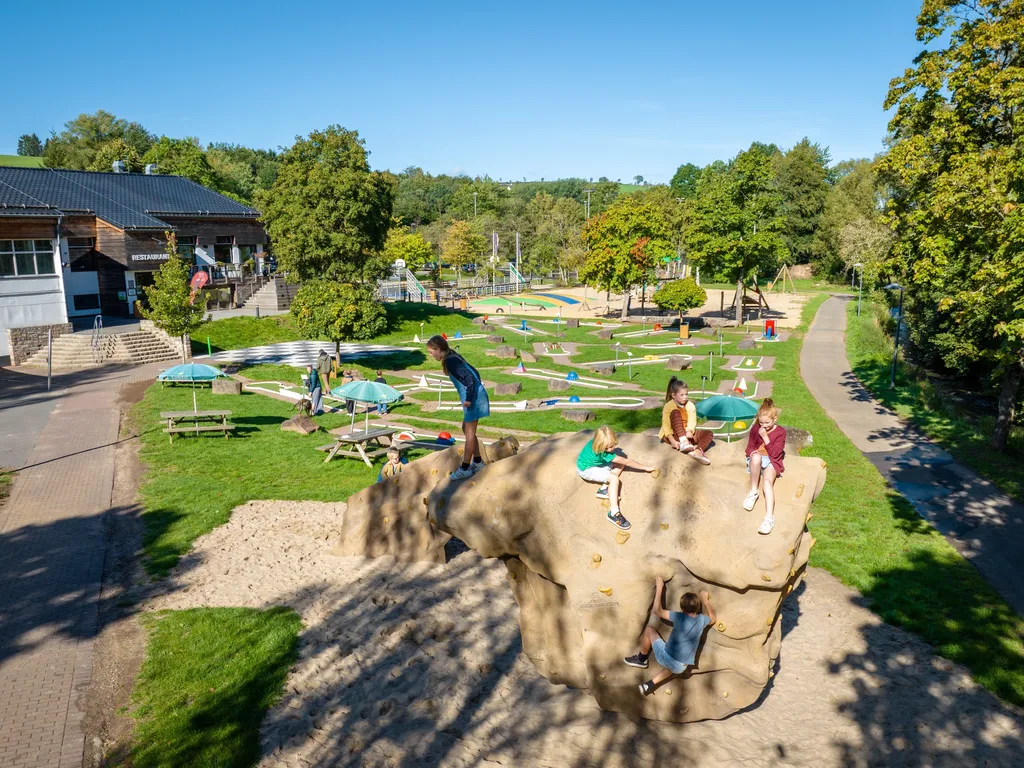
x=598, y=463
x=679, y=423
x=679, y=653
x=393, y=466
x=766, y=448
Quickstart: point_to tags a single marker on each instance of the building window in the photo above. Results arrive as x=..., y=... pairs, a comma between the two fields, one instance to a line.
x=222, y=249
x=19, y=258
x=86, y=301
x=187, y=247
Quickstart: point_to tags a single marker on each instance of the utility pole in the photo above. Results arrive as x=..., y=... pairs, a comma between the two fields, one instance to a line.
x=588, y=191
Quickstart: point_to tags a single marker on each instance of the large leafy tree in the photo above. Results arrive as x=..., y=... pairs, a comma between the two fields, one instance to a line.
x=182, y=157
x=736, y=223
x=408, y=246
x=111, y=151
x=855, y=199
x=77, y=145
x=558, y=223
x=327, y=213
x=956, y=171
x=173, y=307
x=460, y=244
x=680, y=296
x=802, y=176
x=241, y=171
x=339, y=312
x=29, y=145
x=684, y=181
x=626, y=242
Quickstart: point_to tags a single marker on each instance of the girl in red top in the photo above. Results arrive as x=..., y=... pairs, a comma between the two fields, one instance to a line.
x=766, y=448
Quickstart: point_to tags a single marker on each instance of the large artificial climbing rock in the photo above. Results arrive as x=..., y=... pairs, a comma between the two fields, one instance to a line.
x=585, y=589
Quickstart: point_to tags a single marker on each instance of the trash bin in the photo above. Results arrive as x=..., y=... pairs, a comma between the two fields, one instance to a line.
x=462, y=304
x=684, y=330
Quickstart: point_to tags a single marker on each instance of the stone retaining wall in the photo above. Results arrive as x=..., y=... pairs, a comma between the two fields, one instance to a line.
x=150, y=327
x=25, y=342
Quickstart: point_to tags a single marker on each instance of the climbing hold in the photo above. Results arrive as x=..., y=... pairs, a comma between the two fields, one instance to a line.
x=664, y=526
x=791, y=550
x=809, y=516
x=725, y=694
x=622, y=537
x=800, y=490
x=668, y=691
x=656, y=473
x=460, y=451
x=473, y=483
x=426, y=502
x=433, y=471
x=789, y=588
x=823, y=464
x=766, y=577
x=720, y=626
x=396, y=481
x=385, y=521
x=595, y=560
x=605, y=590
x=512, y=575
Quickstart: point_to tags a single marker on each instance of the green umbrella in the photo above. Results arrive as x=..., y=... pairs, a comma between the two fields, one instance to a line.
x=366, y=392
x=726, y=408
x=192, y=372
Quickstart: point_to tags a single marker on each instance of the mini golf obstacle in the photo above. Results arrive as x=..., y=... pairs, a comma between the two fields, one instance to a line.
x=750, y=363
x=749, y=389
x=293, y=392
x=582, y=381
x=638, y=334
x=456, y=337
x=552, y=403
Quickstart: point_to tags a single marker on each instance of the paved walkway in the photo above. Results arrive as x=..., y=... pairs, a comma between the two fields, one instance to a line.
x=52, y=540
x=984, y=524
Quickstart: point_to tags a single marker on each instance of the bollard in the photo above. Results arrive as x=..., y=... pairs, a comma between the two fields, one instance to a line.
x=209, y=349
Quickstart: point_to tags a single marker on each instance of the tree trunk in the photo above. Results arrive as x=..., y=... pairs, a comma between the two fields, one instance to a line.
x=625, y=305
x=1007, y=403
x=337, y=352
x=183, y=349
x=739, y=302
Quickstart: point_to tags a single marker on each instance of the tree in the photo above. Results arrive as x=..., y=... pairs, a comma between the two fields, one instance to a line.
x=241, y=171
x=182, y=157
x=638, y=180
x=460, y=245
x=954, y=169
x=802, y=178
x=736, y=222
x=339, y=312
x=172, y=306
x=684, y=181
x=408, y=246
x=30, y=146
x=854, y=196
x=327, y=213
x=76, y=146
x=680, y=296
x=626, y=242
x=111, y=151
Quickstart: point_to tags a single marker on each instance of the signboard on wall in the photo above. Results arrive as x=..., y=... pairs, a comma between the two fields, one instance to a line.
x=148, y=258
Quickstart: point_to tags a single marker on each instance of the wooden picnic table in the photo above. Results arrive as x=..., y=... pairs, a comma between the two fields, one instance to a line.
x=355, y=443
x=181, y=422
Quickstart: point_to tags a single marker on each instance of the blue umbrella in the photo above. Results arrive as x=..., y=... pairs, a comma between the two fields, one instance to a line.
x=192, y=372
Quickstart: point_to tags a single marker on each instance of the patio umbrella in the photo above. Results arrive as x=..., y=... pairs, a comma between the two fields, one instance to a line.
x=366, y=392
x=726, y=408
x=192, y=372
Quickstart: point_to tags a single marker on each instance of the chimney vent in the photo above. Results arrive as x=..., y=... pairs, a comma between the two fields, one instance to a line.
x=118, y=166
x=150, y=169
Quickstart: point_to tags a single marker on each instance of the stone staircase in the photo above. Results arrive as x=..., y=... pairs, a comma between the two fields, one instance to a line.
x=134, y=348
x=275, y=296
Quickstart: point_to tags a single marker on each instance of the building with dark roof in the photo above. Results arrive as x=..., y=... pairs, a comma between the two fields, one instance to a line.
x=76, y=243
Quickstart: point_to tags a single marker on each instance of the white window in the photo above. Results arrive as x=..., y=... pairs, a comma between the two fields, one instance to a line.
x=20, y=258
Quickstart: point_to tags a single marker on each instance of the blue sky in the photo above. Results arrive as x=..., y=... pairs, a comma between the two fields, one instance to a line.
x=513, y=90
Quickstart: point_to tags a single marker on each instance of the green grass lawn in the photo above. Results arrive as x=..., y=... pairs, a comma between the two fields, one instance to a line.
x=6, y=480
x=209, y=677
x=964, y=434
x=18, y=161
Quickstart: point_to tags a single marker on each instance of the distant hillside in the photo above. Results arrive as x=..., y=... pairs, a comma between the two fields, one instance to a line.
x=17, y=161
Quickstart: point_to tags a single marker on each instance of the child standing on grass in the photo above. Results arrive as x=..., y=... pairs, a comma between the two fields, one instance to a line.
x=475, y=404
x=597, y=463
x=766, y=448
x=382, y=407
x=680, y=652
x=679, y=423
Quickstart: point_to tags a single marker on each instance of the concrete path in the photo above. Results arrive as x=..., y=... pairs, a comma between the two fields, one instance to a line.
x=52, y=540
x=984, y=524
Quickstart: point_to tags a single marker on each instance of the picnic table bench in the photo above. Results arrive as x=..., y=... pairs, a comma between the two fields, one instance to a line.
x=355, y=443
x=182, y=422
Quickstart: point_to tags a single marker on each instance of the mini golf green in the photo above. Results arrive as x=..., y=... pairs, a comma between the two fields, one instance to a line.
x=500, y=301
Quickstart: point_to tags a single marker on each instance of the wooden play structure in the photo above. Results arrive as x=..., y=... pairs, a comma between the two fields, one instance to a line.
x=783, y=276
x=752, y=297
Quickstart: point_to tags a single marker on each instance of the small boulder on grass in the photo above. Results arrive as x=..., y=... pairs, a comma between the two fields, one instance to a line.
x=578, y=415
x=300, y=424
x=527, y=357
x=505, y=352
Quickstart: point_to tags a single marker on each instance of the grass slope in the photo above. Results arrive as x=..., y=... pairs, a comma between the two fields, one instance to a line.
x=17, y=161
x=964, y=434
x=209, y=677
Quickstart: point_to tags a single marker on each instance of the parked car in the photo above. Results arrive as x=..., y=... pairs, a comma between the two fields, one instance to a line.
x=469, y=268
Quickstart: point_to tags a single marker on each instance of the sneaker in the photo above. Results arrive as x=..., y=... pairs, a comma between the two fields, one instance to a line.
x=647, y=688
x=476, y=466
x=616, y=519
x=750, y=500
x=461, y=474
x=685, y=446
x=636, y=660
x=766, y=525
x=701, y=458
x=602, y=492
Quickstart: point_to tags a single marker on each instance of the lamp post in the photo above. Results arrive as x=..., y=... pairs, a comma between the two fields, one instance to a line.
x=617, y=345
x=860, y=285
x=899, y=327
x=588, y=191
x=629, y=360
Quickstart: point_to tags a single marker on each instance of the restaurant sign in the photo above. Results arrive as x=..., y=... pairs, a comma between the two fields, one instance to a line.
x=144, y=258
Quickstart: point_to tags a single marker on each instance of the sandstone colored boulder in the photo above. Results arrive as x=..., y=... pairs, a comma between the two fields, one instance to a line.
x=677, y=363
x=604, y=334
x=605, y=368
x=585, y=589
x=508, y=389
x=300, y=424
x=558, y=385
x=505, y=352
x=227, y=387
x=745, y=344
x=572, y=322
x=528, y=357
x=480, y=321
x=495, y=339
x=578, y=415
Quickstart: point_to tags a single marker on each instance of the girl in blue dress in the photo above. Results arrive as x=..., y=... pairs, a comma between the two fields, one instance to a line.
x=475, y=405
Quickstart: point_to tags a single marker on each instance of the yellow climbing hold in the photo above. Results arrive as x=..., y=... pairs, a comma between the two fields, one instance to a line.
x=823, y=464
x=770, y=620
x=512, y=575
x=433, y=471
x=664, y=526
x=656, y=473
x=605, y=590
x=766, y=577
x=386, y=521
x=800, y=490
x=622, y=537
x=725, y=694
x=595, y=560
x=720, y=626
x=791, y=550
x=668, y=691
x=459, y=451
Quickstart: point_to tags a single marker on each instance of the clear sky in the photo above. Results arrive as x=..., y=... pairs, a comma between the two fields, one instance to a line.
x=512, y=89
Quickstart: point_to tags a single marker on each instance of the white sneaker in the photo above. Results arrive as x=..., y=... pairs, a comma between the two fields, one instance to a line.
x=750, y=500
x=766, y=525
x=685, y=446
x=461, y=474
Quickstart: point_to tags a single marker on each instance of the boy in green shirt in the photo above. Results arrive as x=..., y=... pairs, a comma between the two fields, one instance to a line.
x=598, y=463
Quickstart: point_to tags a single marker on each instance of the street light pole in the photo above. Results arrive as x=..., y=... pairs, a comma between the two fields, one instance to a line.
x=899, y=327
x=588, y=191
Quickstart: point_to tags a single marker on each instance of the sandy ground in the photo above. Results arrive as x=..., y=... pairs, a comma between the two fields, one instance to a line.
x=784, y=307
x=421, y=664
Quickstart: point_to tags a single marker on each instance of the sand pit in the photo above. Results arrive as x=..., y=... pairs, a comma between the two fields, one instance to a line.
x=421, y=664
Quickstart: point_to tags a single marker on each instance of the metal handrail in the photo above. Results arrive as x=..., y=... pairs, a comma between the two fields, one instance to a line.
x=97, y=331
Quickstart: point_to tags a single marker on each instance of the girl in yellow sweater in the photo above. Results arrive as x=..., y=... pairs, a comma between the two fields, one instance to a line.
x=679, y=423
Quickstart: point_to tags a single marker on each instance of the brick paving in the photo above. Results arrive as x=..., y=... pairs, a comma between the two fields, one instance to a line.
x=52, y=540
